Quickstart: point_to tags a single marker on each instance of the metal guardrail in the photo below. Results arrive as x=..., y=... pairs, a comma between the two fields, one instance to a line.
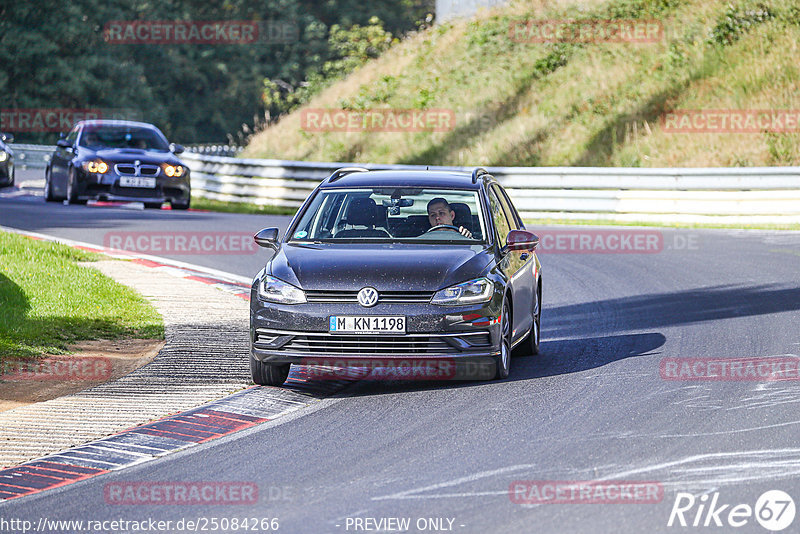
x=215, y=150
x=31, y=156
x=753, y=195
x=745, y=195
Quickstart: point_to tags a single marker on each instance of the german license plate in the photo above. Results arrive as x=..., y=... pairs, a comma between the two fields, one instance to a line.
x=369, y=324
x=137, y=181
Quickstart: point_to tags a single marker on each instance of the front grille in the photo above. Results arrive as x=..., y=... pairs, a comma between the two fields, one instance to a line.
x=323, y=343
x=392, y=297
x=361, y=345
x=129, y=169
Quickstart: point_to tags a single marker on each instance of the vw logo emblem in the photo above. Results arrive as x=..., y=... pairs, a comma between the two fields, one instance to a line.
x=368, y=297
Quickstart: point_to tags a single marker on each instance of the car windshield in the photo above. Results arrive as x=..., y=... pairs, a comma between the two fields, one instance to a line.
x=107, y=136
x=395, y=214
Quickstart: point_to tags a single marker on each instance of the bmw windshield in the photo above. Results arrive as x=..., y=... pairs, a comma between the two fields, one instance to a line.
x=392, y=214
x=118, y=136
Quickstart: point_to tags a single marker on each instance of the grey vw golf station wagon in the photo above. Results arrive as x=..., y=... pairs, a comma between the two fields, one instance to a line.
x=399, y=267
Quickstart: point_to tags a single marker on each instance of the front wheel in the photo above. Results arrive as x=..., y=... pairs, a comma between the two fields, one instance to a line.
x=530, y=345
x=504, y=358
x=48, y=187
x=268, y=374
x=72, y=192
x=177, y=206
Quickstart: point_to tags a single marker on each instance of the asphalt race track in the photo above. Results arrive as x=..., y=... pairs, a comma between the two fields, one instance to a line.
x=592, y=406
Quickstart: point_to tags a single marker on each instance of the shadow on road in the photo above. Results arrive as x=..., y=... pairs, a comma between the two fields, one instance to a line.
x=557, y=357
x=574, y=340
x=658, y=310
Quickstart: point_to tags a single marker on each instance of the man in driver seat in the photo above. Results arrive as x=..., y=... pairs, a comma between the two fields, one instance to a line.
x=440, y=213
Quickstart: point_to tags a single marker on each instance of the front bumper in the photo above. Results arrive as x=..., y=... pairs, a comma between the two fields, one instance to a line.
x=464, y=337
x=106, y=187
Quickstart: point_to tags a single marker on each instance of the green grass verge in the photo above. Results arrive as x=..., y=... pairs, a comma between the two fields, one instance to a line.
x=48, y=301
x=239, y=207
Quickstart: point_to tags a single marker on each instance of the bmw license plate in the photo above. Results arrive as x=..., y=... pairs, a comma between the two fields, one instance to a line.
x=369, y=324
x=137, y=181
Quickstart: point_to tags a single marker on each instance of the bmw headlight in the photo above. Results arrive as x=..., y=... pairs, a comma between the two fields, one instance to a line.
x=3, y=155
x=273, y=290
x=95, y=166
x=174, y=171
x=472, y=292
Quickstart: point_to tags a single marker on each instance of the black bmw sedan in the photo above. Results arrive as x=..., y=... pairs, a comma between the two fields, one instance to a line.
x=398, y=268
x=6, y=160
x=117, y=161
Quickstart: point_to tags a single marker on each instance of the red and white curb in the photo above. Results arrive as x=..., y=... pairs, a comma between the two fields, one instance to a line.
x=175, y=432
x=153, y=440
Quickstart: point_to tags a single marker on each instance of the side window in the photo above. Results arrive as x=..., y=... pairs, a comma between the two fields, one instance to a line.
x=511, y=211
x=499, y=217
x=73, y=135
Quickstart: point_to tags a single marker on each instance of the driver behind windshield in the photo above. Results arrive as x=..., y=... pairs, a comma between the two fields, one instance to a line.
x=440, y=213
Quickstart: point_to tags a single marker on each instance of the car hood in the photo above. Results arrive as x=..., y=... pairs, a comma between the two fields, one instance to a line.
x=121, y=155
x=386, y=267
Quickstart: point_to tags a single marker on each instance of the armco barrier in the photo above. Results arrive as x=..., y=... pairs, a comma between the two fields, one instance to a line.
x=31, y=156
x=755, y=195
x=742, y=195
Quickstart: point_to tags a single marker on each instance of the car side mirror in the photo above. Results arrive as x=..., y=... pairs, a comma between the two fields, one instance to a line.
x=6, y=137
x=176, y=149
x=521, y=240
x=63, y=143
x=267, y=238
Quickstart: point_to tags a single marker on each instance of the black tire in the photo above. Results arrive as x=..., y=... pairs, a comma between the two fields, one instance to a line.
x=530, y=345
x=503, y=360
x=72, y=194
x=153, y=205
x=48, y=188
x=177, y=206
x=267, y=374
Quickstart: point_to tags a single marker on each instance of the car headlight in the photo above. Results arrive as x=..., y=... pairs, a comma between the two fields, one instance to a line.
x=3, y=155
x=474, y=291
x=95, y=166
x=174, y=171
x=273, y=290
